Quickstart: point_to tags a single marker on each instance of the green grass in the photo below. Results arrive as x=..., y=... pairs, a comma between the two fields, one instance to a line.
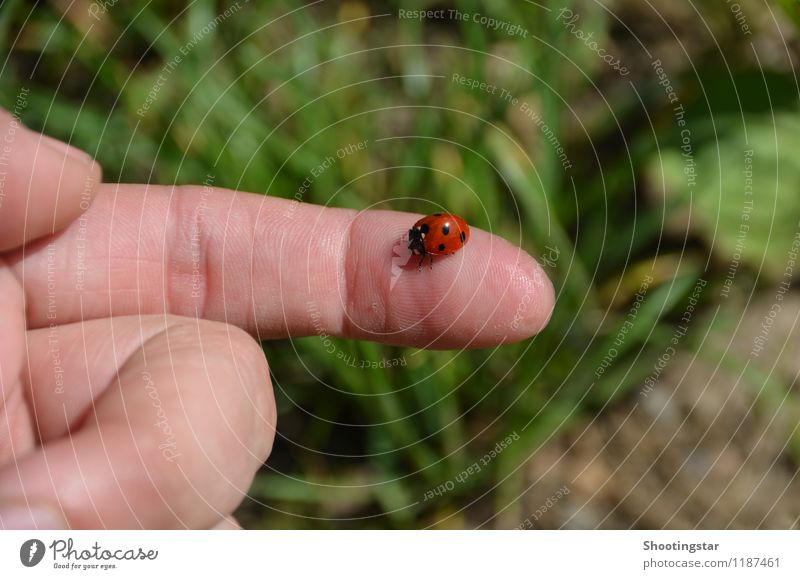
x=272, y=91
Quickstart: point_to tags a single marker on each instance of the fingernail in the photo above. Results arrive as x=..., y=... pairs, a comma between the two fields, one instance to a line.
x=65, y=149
x=31, y=517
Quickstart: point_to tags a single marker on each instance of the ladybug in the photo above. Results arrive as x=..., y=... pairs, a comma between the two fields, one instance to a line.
x=437, y=234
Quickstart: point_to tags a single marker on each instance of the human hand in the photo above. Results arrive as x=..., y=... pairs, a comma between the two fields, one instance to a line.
x=132, y=393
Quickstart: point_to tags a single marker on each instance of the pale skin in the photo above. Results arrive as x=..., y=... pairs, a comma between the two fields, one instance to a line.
x=133, y=390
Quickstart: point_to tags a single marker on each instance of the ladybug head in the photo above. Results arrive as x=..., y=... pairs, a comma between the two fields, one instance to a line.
x=415, y=243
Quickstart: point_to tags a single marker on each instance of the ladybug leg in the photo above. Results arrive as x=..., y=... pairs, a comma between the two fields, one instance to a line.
x=419, y=265
x=431, y=263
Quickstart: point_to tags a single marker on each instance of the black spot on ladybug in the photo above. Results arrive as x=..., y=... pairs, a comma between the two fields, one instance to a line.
x=441, y=247
x=446, y=229
x=437, y=214
x=424, y=228
x=463, y=237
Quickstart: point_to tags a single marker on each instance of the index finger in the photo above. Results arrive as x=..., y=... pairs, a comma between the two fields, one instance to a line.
x=279, y=268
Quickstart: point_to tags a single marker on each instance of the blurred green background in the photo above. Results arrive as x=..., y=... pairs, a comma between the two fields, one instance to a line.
x=602, y=423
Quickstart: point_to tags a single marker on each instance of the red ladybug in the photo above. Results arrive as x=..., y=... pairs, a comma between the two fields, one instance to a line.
x=437, y=234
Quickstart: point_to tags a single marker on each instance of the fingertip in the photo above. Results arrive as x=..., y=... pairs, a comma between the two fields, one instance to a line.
x=63, y=149
x=45, y=183
x=526, y=294
x=74, y=174
x=488, y=293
